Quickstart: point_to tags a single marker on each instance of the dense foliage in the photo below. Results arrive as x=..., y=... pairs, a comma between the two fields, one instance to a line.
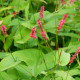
x=39, y=39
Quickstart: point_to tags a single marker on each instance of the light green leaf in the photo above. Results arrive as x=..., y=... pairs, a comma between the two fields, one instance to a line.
x=64, y=75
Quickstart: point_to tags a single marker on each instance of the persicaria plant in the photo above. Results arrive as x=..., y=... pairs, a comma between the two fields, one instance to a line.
x=39, y=39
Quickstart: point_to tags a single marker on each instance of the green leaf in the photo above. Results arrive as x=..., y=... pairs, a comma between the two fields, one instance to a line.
x=27, y=11
x=67, y=10
x=4, y=76
x=7, y=21
x=3, y=54
x=15, y=22
x=77, y=78
x=51, y=59
x=43, y=1
x=6, y=8
x=2, y=38
x=9, y=40
x=12, y=72
x=20, y=4
x=22, y=35
x=23, y=71
x=7, y=63
x=74, y=72
x=58, y=78
x=30, y=56
x=63, y=59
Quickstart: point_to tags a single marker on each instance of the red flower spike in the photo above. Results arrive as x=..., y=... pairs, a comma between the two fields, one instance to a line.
x=15, y=13
x=33, y=34
x=3, y=29
x=61, y=23
x=43, y=34
x=42, y=8
x=63, y=2
x=74, y=56
x=65, y=16
x=41, y=14
x=71, y=1
x=39, y=23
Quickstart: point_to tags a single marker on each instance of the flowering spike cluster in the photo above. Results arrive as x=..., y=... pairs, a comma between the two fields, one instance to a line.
x=74, y=56
x=63, y=2
x=33, y=34
x=71, y=1
x=39, y=23
x=61, y=23
x=41, y=12
x=3, y=29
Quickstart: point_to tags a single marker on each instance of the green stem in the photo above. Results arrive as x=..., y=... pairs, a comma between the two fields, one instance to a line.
x=63, y=41
x=5, y=44
x=19, y=28
x=78, y=60
x=41, y=53
x=13, y=57
x=42, y=56
x=56, y=34
x=2, y=2
x=67, y=74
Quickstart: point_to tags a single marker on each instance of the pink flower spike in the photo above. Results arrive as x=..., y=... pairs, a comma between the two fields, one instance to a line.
x=61, y=23
x=65, y=16
x=71, y=1
x=43, y=34
x=74, y=56
x=33, y=34
x=3, y=29
x=41, y=12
